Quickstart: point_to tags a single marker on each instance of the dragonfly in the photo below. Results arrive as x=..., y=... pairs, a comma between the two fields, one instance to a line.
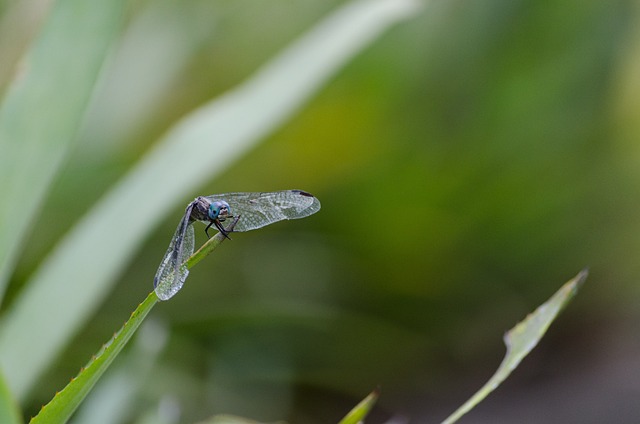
x=239, y=212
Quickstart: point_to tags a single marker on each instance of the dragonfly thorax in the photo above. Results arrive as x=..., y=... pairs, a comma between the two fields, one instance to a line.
x=199, y=209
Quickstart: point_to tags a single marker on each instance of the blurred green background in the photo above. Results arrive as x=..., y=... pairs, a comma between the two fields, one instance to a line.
x=469, y=162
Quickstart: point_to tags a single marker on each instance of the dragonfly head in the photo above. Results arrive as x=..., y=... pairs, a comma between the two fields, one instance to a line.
x=219, y=210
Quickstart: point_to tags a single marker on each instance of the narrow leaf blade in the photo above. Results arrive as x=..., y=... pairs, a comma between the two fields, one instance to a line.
x=521, y=340
x=42, y=111
x=361, y=410
x=65, y=402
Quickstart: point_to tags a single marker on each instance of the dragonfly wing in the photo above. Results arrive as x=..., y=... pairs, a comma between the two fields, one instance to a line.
x=257, y=210
x=172, y=271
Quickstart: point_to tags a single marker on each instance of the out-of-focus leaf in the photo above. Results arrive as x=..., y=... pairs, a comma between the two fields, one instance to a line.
x=19, y=24
x=79, y=273
x=521, y=340
x=361, y=410
x=149, y=59
x=166, y=412
x=9, y=411
x=230, y=419
x=42, y=110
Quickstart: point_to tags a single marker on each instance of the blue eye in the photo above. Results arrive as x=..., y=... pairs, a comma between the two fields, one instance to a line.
x=219, y=210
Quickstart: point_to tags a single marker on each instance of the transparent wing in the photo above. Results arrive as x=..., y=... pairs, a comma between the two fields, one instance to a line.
x=172, y=272
x=255, y=211
x=259, y=209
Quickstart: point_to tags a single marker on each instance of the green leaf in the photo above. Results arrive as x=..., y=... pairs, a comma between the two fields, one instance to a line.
x=65, y=402
x=115, y=398
x=521, y=340
x=359, y=413
x=80, y=272
x=42, y=111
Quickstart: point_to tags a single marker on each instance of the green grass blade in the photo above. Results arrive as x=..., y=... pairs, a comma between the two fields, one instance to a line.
x=79, y=273
x=361, y=410
x=42, y=111
x=114, y=399
x=65, y=402
x=521, y=340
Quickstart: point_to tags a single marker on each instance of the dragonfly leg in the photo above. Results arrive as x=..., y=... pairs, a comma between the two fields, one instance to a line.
x=225, y=231
x=206, y=230
x=220, y=228
x=231, y=227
